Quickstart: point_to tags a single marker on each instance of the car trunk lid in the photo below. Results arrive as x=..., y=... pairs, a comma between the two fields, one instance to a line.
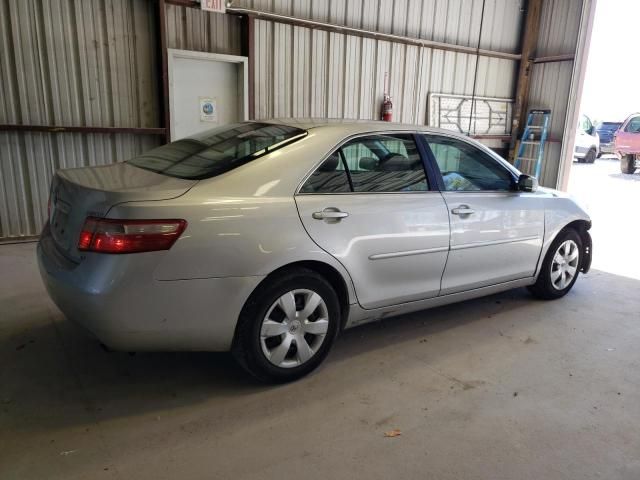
x=81, y=192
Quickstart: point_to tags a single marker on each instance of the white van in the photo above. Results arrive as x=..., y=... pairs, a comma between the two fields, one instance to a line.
x=587, y=145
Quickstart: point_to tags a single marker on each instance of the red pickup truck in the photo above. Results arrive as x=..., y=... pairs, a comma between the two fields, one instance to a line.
x=627, y=144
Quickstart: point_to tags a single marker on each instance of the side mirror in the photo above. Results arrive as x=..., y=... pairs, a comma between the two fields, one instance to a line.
x=591, y=130
x=527, y=183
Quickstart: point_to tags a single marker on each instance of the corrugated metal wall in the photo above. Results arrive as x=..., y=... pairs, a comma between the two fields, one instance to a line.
x=551, y=82
x=71, y=62
x=83, y=63
x=193, y=29
x=65, y=62
x=304, y=72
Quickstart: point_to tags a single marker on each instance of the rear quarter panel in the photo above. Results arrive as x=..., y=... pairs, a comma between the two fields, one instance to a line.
x=231, y=236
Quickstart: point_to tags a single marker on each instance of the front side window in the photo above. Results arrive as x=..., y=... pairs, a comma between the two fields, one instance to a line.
x=374, y=163
x=467, y=168
x=633, y=126
x=217, y=151
x=584, y=124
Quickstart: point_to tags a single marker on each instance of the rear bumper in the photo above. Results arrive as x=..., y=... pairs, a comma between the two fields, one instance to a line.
x=117, y=300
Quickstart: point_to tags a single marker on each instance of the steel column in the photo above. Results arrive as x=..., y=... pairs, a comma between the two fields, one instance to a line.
x=529, y=42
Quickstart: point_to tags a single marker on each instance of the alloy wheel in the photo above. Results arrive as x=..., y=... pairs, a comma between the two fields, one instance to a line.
x=565, y=264
x=294, y=328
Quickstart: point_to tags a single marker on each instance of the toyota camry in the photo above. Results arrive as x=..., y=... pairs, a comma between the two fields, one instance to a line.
x=268, y=238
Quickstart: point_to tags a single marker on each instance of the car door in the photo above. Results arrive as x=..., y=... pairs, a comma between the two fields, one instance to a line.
x=496, y=232
x=628, y=137
x=370, y=206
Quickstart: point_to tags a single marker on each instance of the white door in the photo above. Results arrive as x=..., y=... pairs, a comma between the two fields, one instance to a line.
x=206, y=91
x=379, y=219
x=496, y=232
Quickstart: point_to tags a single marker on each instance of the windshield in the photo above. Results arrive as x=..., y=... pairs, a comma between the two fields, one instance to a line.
x=217, y=151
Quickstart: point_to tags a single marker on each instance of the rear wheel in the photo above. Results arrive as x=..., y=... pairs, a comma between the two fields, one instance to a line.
x=628, y=164
x=590, y=157
x=287, y=327
x=560, y=266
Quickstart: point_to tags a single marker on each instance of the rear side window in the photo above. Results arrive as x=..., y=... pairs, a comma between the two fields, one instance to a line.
x=330, y=177
x=217, y=151
x=374, y=163
x=385, y=163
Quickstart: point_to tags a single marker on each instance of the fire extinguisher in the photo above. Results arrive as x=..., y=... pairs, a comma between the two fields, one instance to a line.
x=387, y=108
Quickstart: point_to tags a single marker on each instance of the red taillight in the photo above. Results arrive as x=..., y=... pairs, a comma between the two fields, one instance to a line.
x=129, y=236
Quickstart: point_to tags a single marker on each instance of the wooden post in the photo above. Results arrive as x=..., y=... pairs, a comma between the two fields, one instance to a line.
x=529, y=41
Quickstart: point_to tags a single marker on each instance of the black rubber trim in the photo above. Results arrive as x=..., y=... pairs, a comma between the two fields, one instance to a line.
x=436, y=182
x=587, y=252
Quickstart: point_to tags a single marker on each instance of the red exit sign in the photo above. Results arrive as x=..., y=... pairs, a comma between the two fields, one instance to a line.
x=213, y=5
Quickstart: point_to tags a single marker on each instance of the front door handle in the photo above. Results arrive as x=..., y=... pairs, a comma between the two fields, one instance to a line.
x=463, y=210
x=330, y=213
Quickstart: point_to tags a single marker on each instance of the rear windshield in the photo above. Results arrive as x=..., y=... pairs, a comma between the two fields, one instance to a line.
x=217, y=151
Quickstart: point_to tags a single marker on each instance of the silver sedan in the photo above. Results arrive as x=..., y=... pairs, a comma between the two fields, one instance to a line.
x=269, y=238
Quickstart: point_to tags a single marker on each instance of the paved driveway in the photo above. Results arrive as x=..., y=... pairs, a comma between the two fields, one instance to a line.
x=613, y=201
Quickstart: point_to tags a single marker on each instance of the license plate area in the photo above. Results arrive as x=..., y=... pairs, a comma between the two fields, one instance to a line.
x=59, y=222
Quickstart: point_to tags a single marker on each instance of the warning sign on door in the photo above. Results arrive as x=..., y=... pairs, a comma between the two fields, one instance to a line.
x=208, y=110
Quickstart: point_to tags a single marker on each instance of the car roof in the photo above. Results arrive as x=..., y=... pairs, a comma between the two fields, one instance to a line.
x=352, y=127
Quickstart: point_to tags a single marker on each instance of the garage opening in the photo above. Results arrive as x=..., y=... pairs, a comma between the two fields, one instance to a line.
x=603, y=176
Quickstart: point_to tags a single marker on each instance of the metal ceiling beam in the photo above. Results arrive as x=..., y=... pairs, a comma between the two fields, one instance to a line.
x=357, y=32
x=80, y=129
x=569, y=57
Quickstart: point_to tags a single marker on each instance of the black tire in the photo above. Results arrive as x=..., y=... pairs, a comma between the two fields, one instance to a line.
x=544, y=288
x=599, y=154
x=247, y=347
x=590, y=157
x=628, y=164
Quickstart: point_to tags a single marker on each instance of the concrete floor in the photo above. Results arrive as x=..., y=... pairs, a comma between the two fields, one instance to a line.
x=503, y=387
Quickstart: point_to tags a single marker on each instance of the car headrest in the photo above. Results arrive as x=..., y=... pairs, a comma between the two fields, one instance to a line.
x=330, y=164
x=395, y=163
x=368, y=163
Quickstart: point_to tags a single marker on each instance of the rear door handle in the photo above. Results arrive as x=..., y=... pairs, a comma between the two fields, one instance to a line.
x=463, y=210
x=330, y=213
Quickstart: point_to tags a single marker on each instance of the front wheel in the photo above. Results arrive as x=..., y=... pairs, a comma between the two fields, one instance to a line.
x=560, y=267
x=287, y=326
x=628, y=164
x=590, y=157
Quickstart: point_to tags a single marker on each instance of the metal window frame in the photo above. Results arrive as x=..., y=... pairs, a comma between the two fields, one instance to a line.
x=242, y=63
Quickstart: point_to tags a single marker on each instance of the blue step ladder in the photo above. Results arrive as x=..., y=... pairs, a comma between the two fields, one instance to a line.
x=531, y=148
